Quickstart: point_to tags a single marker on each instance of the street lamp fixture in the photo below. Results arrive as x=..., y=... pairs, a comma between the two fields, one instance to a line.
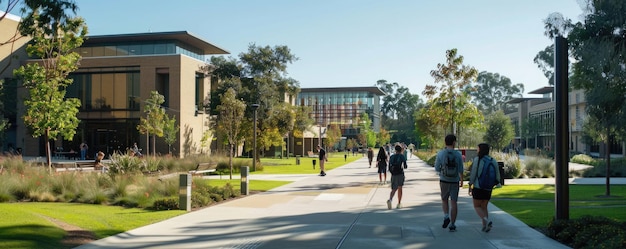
x=254, y=108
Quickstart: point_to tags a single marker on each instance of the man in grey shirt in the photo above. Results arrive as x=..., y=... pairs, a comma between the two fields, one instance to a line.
x=449, y=165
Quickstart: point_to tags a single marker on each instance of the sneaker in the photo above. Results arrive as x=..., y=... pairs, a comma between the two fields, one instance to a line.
x=452, y=228
x=399, y=206
x=488, y=227
x=388, y=204
x=446, y=221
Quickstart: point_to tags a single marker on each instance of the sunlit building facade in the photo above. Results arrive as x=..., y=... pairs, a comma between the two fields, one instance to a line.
x=116, y=76
x=342, y=106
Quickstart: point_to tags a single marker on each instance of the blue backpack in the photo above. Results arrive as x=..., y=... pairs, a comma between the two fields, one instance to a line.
x=487, y=178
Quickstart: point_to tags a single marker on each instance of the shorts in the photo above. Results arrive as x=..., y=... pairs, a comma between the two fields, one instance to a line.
x=397, y=181
x=449, y=190
x=382, y=169
x=481, y=194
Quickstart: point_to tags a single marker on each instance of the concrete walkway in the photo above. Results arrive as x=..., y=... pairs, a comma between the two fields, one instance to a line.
x=345, y=209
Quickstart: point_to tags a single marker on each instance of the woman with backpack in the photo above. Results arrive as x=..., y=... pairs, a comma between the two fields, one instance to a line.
x=484, y=175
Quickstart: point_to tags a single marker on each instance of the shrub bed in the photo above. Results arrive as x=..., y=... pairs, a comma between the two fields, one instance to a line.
x=124, y=184
x=588, y=232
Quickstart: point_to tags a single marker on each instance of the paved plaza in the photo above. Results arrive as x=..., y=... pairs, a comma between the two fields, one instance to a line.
x=345, y=209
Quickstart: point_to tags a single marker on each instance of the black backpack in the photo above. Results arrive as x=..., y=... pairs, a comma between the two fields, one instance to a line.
x=395, y=164
x=449, y=168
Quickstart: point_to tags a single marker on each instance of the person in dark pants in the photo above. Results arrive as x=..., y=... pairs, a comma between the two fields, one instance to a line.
x=381, y=163
x=370, y=155
x=323, y=158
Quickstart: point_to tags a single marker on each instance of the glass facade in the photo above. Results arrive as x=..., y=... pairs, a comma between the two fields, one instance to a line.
x=545, y=120
x=106, y=89
x=109, y=111
x=141, y=48
x=341, y=108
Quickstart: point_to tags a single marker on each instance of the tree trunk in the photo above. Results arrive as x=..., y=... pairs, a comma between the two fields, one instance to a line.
x=153, y=145
x=46, y=138
x=607, y=156
x=230, y=160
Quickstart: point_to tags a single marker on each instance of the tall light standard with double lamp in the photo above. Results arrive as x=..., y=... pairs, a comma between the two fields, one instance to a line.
x=254, y=108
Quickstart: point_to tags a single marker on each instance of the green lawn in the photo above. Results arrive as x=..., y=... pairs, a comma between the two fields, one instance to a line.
x=23, y=225
x=534, y=204
x=288, y=166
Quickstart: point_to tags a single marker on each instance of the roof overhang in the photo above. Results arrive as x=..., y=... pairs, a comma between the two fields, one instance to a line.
x=543, y=90
x=182, y=36
x=520, y=100
x=371, y=89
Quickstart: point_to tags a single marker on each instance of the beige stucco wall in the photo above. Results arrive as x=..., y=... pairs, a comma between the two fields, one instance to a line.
x=182, y=70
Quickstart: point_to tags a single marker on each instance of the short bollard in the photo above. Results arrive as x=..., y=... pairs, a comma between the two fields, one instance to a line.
x=245, y=170
x=314, y=161
x=184, y=192
x=297, y=160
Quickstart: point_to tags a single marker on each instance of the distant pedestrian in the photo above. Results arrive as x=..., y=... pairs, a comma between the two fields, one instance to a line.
x=397, y=164
x=381, y=163
x=449, y=165
x=83, y=150
x=370, y=155
x=323, y=158
x=482, y=194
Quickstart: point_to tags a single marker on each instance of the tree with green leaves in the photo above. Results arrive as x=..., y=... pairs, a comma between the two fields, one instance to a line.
x=397, y=109
x=55, y=34
x=428, y=129
x=229, y=122
x=499, y=130
x=170, y=132
x=492, y=91
x=333, y=135
x=598, y=47
x=383, y=137
x=545, y=62
x=260, y=77
x=449, y=105
x=366, y=136
x=303, y=122
x=154, y=120
x=351, y=144
x=530, y=129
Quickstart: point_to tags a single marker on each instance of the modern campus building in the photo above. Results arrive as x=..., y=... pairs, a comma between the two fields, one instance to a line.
x=339, y=106
x=539, y=112
x=117, y=74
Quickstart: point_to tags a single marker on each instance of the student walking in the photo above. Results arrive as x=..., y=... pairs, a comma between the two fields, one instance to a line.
x=370, y=155
x=323, y=158
x=381, y=164
x=449, y=165
x=83, y=150
x=397, y=164
x=485, y=171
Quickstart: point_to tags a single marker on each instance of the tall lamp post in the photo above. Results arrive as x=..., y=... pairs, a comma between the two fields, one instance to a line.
x=254, y=108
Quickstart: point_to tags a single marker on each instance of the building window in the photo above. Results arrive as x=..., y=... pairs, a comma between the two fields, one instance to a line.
x=106, y=90
x=199, y=92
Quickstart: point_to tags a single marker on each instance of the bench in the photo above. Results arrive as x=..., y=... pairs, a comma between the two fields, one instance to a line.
x=198, y=170
x=88, y=164
x=64, y=166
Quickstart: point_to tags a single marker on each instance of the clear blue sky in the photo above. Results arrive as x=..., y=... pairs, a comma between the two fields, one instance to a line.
x=355, y=42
